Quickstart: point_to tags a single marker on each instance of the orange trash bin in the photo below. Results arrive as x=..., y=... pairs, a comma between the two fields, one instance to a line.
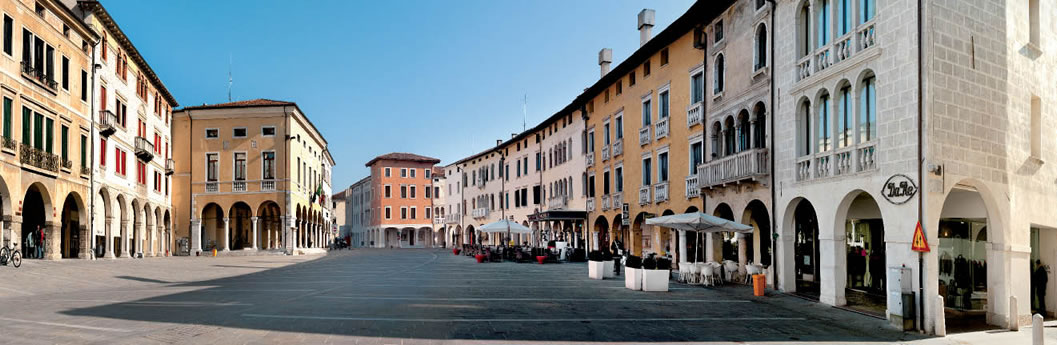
x=759, y=282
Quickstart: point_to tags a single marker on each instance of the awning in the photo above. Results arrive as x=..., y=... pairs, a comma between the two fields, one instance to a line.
x=699, y=222
x=505, y=225
x=557, y=215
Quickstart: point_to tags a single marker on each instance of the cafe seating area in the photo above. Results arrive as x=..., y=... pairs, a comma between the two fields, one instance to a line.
x=522, y=254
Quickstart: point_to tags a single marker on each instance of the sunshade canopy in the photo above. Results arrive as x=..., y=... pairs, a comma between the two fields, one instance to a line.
x=699, y=222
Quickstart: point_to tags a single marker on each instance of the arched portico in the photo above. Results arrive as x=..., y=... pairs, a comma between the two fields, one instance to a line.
x=38, y=233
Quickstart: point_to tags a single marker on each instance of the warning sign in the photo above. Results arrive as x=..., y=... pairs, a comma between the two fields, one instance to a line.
x=919, y=244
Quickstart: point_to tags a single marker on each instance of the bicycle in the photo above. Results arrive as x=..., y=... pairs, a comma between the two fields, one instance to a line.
x=10, y=254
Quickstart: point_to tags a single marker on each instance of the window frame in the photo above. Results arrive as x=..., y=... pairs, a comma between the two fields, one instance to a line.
x=217, y=136
x=267, y=127
x=235, y=136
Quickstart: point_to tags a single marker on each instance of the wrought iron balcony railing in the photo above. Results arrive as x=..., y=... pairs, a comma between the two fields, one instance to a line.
x=144, y=149
x=108, y=123
x=38, y=158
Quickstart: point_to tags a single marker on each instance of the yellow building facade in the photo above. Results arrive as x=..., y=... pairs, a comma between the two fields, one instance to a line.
x=250, y=175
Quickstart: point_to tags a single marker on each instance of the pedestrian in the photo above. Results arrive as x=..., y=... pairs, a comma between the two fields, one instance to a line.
x=1038, y=286
x=31, y=245
x=40, y=246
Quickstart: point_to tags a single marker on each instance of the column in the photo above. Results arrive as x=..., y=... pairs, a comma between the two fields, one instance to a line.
x=196, y=236
x=86, y=239
x=267, y=235
x=109, y=238
x=137, y=239
x=14, y=228
x=227, y=234
x=124, y=252
x=743, y=256
x=53, y=241
x=682, y=246
x=253, y=220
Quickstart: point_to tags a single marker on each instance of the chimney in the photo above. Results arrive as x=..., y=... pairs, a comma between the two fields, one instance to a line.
x=605, y=57
x=645, y=26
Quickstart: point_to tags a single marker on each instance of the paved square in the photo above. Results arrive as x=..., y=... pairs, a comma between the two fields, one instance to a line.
x=386, y=296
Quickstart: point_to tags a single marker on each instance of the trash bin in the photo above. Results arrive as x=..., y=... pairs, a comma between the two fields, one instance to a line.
x=759, y=282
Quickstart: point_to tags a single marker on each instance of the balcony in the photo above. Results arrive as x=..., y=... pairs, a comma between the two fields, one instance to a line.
x=590, y=204
x=452, y=218
x=644, y=195
x=846, y=161
x=86, y=170
x=67, y=165
x=693, y=115
x=144, y=149
x=607, y=202
x=108, y=123
x=866, y=35
x=170, y=167
x=661, y=128
x=480, y=212
x=590, y=159
x=39, y=76
x=438, y=220
x=8, y=143
x=692, y=190
x=605, y=153
x=660, y=192
x=644, y=135
x=618, y=201
x=558, y=202
x=212, y=187
x=747, y=165
x=238, y=186
x=618, y=147
x=822, y=58
x=267, y=186
x=38, y=158
x=841, y=49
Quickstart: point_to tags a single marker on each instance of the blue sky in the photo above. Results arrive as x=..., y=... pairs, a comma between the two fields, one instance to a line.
x=439, y=78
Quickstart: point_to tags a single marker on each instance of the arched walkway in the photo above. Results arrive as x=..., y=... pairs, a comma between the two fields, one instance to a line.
x=269, y=226
x=213, y=228
x=37, y=224
x=73, y=228
x=806, y=250
x=240, y=232
x=966, y=238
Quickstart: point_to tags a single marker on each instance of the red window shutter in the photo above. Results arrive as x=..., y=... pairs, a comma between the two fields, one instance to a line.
x=102, y=152
x=104, y=46
x=102, y=97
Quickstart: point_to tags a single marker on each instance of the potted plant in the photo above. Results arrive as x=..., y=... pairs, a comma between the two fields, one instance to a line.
x=607, y=259
x=455, y=251
x=633, y=273
x=595, y=266
x=655, y=274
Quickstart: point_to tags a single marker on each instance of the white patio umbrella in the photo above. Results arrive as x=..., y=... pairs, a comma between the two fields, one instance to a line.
x=505, y=226
x=699, y=222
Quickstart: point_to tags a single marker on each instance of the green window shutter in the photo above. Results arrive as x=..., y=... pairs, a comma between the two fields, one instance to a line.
x=26, y=129
x=84, y=152
x=38, y=131
x=64, y=149
x=7, y=118
x=49, y=134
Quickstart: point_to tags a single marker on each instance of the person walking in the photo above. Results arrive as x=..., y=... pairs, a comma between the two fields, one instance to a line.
x=1038, y=287
x=41, y=244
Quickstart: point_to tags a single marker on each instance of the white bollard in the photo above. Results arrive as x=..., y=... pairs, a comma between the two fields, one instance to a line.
x=1036, y=330
x=941, y=319
x=1012, y=317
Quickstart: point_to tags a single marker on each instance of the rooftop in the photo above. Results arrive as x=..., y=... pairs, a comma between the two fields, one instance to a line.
x=403, y=156
x=260, y=102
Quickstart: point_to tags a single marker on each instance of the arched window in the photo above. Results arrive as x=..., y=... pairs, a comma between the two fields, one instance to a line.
x=759, y=126
x=844, y=117
x=822, y=8
x=761, y=47
x=717, y=82
x=867, y=110
x=803, y=129
x=716, y=133
x=728, y=136
x=743, y=131
x=823, y=123
x=803, y=28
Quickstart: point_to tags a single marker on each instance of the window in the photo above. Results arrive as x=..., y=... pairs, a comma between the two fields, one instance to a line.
x=238, y=132
x=646, y=112
x=102, y=152
x=403, y=191
x=212, y=168
x=387, y=172
x=268, y=165
x=697, y=87
x=84, y=150
x=803, y=129
x=605, y=134
x=388, y=191
x=605, y=182
x=212, y=133
x=66, y=73
x=868, y=111
x=823, y=124
x=620, y=86
x=843, y=17
x=760, y=3
x=631, y=79
x=804, y=30
x=538, y=161
x=844, y=119
x=1033, y=22
x=823, y=23
x=429, y=192
x=760, y=60
x=39, y=9
x=268, y=131
x=647, y=166
x=84, y=85
x=413, y=172
x=9, y=28
x=618, y=174
x=7, y=117
x=413, y=192
x=27, y=125
x=1036, y=127
x=697, y=155
x=662, y=166
x=64, y=145
x=38, y=57
x=717, y=31
x=619, y=126
x=403, y=213
x=388, y=212
x=428, y=213
x=646, y=68
x=717, y=81
x=426, y=172
x=413, y=213
x=664, y=56
x=403, y=172
x=662, y=106
x=867, y=9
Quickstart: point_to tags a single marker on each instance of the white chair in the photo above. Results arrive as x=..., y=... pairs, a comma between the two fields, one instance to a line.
x=730, y=268
x=684, y=271
x=694, y=274
x=707, y=274
x=751, y=270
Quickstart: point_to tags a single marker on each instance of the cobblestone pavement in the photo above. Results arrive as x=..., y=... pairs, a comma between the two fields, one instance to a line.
x=375, y=296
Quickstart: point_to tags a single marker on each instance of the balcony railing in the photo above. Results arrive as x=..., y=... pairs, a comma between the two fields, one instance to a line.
x=38, y=158
x=607, y=202
x=480, y=212
x=67, y=164
x=846, y=161
x=644, y=135
x=822, y=58
x=618, y=147
x=267, y=185
x=557, y=202
x=618, y=201
x=605, y=153
x=590, y=204
x=692, y=190
x=693, y=115
x=843, y=48
x=660, y=192
x=212, y=187
x=590, y=159
x=451, y=218
x=86, y=170
x=108, y=123
x=39, y=75
x=170, y=166
x=747, y=165
x=661, y=128
x=644, y=195
x=144, y=149
x=8, y=143
x=803, y=68
x=438, y=220
x=238, y=186
x=866, y=35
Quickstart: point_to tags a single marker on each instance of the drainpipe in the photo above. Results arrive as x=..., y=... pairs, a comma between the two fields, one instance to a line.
x=703, y=45
x=921, y=178
x=774, y=190
x=91, y=160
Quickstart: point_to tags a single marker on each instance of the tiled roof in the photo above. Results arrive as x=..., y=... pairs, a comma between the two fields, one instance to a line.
x=402, y=156
x=260, y=102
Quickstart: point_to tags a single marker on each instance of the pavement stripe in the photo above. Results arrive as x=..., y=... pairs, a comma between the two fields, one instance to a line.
x=57, y=324
x=350, y=318
x=536, y=299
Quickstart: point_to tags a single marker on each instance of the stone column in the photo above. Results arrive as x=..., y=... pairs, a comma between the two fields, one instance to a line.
x=109, y=241
x=14, y=229
x=137, y=239
x=86, y=239
x=124, y=253
x=743, y=256
x=53, y=239
x=253, y=220
x=267, y=235
x=682, y=247
x=227, y=234
x=196, y=236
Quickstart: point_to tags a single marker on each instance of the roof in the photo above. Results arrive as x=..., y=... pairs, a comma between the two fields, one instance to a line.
x=700, y=13
x=403, y=156
x=111, y=25
x=338, y=196
x=260, y=102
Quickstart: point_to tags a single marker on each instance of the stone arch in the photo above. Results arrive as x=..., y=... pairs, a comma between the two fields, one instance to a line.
x=971, y=224
x=212, y=219
x=602, y=236
x=802, y=223
x=123, y=222
x=638, y=243
x=6, y=201
x=73, y=227
x=103, y=218
x=759, y=125
x=758, y=245
x=38, y=216
x=859, y=233
x=270, y=225
x=729, y=136
x=167, y=237
x=240, y=234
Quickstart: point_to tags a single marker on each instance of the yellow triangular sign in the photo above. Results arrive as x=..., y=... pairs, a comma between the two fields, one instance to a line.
x=919, y=244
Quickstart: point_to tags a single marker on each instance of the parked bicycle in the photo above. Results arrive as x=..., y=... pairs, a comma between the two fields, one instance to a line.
x=12, y=255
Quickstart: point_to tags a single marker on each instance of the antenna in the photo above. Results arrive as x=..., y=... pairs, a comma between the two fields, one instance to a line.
x=524, y=113
x=229, y=77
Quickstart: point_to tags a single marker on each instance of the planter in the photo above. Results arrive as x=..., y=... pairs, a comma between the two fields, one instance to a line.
x=594, y=269
x=540, y=259
x=607, y=271
x=479, y=257
x=633, y=278
x=655, y=280
x=455, y=251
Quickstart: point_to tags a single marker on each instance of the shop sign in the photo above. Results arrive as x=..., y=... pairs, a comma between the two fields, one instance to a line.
x=899, y=189
x=625, y=211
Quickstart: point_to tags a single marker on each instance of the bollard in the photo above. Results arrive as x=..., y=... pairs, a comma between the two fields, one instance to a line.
x=1012, y=317
x=941, y=319
x=1036, y=330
